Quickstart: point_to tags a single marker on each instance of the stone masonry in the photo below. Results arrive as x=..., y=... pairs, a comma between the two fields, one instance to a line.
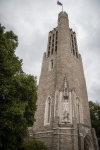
x=62, y=116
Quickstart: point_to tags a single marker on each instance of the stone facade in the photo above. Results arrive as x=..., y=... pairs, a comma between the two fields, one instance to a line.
x=62, y=116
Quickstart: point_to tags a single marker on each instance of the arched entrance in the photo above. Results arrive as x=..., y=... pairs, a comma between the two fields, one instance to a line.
x=88, y=143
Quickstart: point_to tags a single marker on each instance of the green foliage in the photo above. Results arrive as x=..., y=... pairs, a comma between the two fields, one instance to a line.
x=99, y=142
x=33, y=145
x=17, y=94
x=95, y=116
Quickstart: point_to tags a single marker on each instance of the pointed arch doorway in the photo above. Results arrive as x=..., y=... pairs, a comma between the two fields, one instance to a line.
x=88, y=143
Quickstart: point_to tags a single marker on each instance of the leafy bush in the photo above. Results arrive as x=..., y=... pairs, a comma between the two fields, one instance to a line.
x=33, y=145
x=99, y=142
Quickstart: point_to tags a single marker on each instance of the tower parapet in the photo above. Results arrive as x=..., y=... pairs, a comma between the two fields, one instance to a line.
x=62, y=15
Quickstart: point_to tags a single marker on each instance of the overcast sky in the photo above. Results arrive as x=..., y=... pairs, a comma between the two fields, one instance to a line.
x=31, y=20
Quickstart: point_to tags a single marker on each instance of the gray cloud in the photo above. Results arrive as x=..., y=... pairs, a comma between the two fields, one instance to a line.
x=32, y=20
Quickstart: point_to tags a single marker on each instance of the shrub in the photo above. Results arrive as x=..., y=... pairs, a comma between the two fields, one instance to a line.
x=33, y=144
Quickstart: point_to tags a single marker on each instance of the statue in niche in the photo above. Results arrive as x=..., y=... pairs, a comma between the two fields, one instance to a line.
x=65, y=111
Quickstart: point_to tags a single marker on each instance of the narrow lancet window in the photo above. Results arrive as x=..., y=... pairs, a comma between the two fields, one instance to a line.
x=52, y=64
x=56, y=49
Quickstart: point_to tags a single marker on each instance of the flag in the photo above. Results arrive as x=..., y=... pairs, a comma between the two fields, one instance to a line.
x=59, y=3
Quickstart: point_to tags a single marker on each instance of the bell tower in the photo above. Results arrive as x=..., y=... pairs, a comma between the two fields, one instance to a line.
x=62, y=116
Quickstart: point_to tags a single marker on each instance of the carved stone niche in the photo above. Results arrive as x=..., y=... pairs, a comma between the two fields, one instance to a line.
x=65, y=103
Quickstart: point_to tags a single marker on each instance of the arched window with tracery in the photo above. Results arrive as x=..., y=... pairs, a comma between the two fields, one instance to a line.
x=47, y=111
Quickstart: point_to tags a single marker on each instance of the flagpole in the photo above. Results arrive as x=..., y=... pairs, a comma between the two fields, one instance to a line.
x=60, y=5
x=62, y=8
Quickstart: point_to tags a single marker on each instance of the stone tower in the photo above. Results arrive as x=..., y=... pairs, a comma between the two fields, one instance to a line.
x=62, y=116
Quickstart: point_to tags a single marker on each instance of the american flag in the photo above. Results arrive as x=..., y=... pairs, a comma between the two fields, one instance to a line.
x=59, y=3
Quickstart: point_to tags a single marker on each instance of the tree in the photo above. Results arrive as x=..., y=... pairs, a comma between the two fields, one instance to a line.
x=17, y=94
x=95, y=117
x=33, y=144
